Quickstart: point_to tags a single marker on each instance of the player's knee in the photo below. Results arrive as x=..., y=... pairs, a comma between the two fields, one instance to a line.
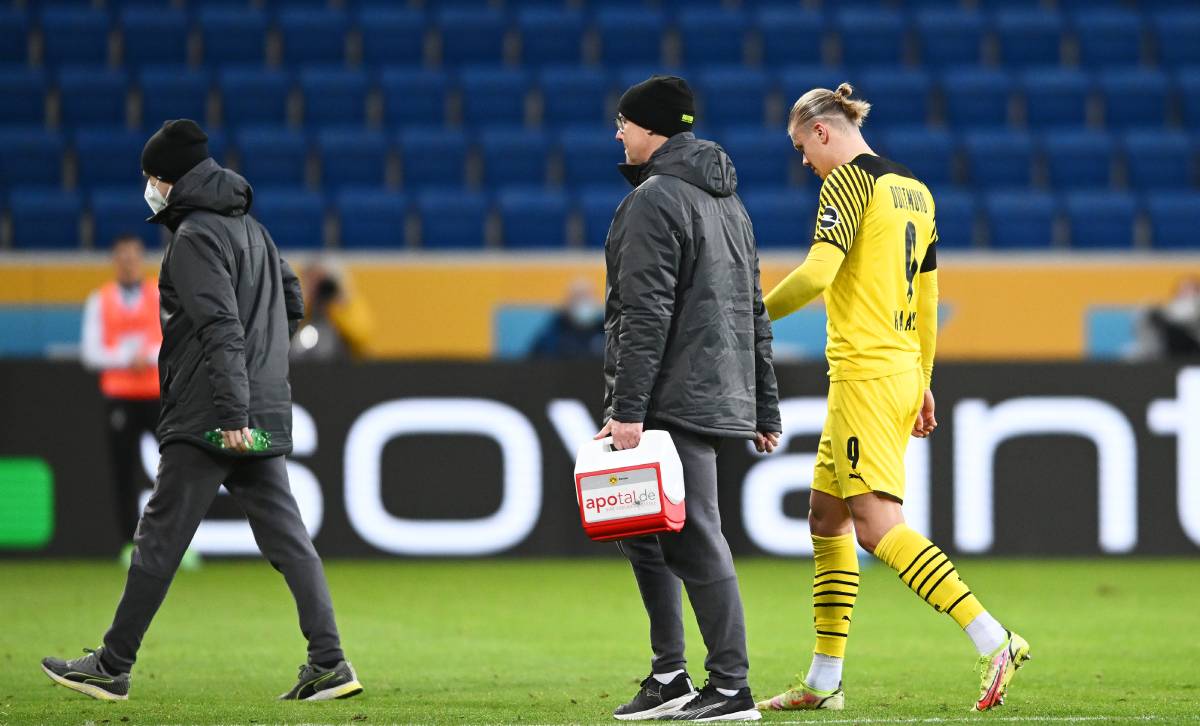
x=867, y=539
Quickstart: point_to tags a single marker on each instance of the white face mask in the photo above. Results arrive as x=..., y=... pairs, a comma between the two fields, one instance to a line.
x=154, y=198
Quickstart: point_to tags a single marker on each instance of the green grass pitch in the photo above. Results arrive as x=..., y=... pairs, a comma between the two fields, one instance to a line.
x=508, y=641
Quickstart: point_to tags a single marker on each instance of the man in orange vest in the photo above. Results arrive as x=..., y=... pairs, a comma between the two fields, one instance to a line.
x=121, y=338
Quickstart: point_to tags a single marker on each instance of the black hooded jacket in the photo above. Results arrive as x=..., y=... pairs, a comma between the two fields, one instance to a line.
x=688, y=339
x=229, y=306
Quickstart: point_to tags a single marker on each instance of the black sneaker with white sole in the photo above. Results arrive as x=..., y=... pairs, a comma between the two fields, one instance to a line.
x=88, y=676
x=712, y=705
x=324, y=684
x=655, y=699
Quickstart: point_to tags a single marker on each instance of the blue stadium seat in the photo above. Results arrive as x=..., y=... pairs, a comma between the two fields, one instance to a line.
x=630, y=36
x=273, y=156
x=795, y=81
x=254, y=97
x=1174, y=219
x=871, y=37
x=1134, y=97
x=999, y=159
x=392, y=36
x=372, y=219
x=977, y=97
x=590, y=156
x=334, y=96
x=170, y=93
x=950, y=36
x=30, y=158
x=899, y=97
x=352, y=158
x=44, y=219
x=14, y=35
x=928, y=153
x=781, y=217
x=573, y=95
x=1187, y=90
x=452, y=218
x=109, y=157
x=413, y=97
x=1175, y=33
x=118, y=211
x=493, y=96
x=1055, y=97
x=472, y=36
x=533, y=218
x=433, y=157
x=294, y=217
x=1029, y=37
x=1109, y=37
x=1100, y=219
x=1020, y=219
x=1078, y=159
x=551, y=35
x=154, y=36
x=736, y=95
x=92, y=97
x=513, y=156
x=955, y=211
x=597, y=204
x=74, y=36
x=712, y=36
x=1160, y=159
x=24, y=94
x=313, y=36
x=790, y=35
x=233, y=36
x=762, y=157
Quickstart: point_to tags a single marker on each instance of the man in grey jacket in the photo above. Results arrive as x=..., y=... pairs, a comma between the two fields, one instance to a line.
x=229, y=305
x=688, y=350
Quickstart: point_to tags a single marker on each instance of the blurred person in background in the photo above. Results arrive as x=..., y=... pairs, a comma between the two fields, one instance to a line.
x=1171, y=330
x=337, y=323
x=577, y=329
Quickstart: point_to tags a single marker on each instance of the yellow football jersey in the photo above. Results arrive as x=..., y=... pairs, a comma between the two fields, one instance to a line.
x=881, y=216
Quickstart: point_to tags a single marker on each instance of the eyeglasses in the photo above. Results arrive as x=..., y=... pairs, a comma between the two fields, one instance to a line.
x=620, y=121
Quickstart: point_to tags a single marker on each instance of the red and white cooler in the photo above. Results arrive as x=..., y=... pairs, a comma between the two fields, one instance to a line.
x=632, y=492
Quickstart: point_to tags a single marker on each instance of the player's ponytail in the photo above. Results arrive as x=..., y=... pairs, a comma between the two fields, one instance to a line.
x=822, y=103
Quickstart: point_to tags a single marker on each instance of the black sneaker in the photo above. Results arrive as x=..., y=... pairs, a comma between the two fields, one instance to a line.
x=324, y=684
x=656, y=699
x=88, y=676
x=711, y=705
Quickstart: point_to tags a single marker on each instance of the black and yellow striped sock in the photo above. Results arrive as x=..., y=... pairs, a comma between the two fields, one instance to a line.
x=835, y=586
x=928, y=572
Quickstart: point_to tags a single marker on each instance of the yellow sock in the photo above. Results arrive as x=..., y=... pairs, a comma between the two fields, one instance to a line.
x=835, y=586
x=928, y=572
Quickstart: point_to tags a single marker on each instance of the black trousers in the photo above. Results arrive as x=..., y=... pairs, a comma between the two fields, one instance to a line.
x=127, y=419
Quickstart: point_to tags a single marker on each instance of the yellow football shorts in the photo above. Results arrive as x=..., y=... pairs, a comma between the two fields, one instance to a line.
x=866, y=433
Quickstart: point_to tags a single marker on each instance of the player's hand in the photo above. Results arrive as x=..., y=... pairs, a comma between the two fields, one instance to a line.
x=926, y=422
x=766, y=441
x=624, y=435
x=237, y=440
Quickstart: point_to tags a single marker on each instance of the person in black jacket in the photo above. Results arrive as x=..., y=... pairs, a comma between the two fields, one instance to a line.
x=688, y=350
x=229, y=305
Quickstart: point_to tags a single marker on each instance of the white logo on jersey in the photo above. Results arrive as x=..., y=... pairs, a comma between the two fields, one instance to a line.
x=829, y=217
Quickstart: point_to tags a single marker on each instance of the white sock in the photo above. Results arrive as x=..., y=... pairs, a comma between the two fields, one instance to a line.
x=665, y=678
x=729, y=692
x=986, y=633
x=825, y=673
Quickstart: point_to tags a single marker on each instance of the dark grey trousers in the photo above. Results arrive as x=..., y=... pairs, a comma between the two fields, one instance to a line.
x=188, y=480
x=699, y=557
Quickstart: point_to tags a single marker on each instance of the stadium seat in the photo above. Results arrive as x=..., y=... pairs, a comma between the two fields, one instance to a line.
x=950, y=37
x=573, y=95
x=999, y=159
x=74, y=36
x=392, y=36
x=782, y=218
x=1134, y=97
x=795, y=81
x=551, y=35
x=273, y=157
x=928, y=153
x=472, y=36
x=736, y=95
x=712, y=36
x=30, y=158
x=533, y=218
x=1174, y=219
x=372, y=219
x=315, y=36
x=452, y=218
x=1020, y=219
x=493, y=96
x=295, y=218
x=1187, y=90
x=254, y=97
x=413, y=97
x=513, y=156
x=108, y=157
x=955, y=211
x=872, y=37
x=154, y=36
x=1109, y=37
x=1029, y=36
x=1055, y=97
x=977, y=97
x=597, y=205
x=590, y=156
x=1078, y=159
x=630, y=36
x=352, y=158
x=24, y=94
x=14, y=37
x=899, y=97
x=790, y=35
x=1160, y=159
x=1175, y=33
x=762, y=157
x=44, y=219
x=334, y=97
x=92, y=97
x=233, y=36
x=118, y=211
x=433, y=157
x=170, y=93
x=1100, y=219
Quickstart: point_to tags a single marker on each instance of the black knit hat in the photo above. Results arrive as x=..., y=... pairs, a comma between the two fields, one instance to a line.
x=174, y=149
x=662, y=104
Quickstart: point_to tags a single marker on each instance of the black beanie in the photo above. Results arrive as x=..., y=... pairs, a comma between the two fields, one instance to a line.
x=174, y=149
x=662, y=104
